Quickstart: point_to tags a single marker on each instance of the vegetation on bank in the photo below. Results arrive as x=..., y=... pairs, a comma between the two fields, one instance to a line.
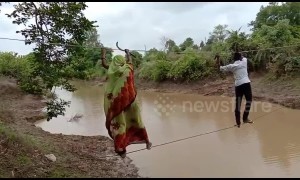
x=26, y=156
x=272, y=46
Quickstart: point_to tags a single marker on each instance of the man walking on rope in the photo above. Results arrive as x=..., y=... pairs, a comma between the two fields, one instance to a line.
x=242, y=86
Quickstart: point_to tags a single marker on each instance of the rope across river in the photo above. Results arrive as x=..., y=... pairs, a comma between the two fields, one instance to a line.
x=190, y=137
x=178, y=140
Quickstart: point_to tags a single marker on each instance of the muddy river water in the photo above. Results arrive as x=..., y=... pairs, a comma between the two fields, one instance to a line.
x=268, y=148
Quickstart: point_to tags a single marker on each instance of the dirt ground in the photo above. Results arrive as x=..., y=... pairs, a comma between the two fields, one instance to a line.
x=23, y=146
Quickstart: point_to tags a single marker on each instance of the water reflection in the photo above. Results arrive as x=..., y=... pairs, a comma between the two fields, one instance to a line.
x=279, y=139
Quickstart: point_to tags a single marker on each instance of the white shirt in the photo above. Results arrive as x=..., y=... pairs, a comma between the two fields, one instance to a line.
x=239, y=70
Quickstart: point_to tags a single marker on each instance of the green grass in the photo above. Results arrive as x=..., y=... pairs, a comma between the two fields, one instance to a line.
x=23, y=160
x=28, y=143
x=26, y=140
x=8, y=133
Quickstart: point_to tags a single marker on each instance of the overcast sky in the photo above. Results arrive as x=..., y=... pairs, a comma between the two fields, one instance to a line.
x=135, y=24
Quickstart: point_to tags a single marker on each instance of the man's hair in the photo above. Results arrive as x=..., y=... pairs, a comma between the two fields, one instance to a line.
x=237, y=56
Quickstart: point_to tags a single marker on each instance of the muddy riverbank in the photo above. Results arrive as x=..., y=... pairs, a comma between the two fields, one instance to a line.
x=283, y=91
x=23, y=146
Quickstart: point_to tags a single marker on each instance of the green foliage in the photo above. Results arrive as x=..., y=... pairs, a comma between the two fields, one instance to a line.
x=56, y=107
x=274, y=36
x=191, y=62
x=274, y=12
x=188, y=66
x=160, y=70
x=21, y=68
x=85, y=65
x=191, y=66
x=11, y=64
x=51, y=22
x=292, y=65
x=145, y=72
x=189, y=42
x=155, y=70
x=154, y=54
x=278, y=35
x=137, y=59
x=219, y=33
x=171, y=46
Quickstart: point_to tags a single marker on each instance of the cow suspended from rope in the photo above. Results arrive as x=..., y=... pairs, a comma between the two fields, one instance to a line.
x=123, y=117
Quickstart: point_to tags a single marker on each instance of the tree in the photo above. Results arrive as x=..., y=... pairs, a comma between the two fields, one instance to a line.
x=189, y=42
x=52, y=21
x=271, y=14
x=84, y=65
x=175, y=49
x=154, y=55
x=93, y=38
x=195, y=46
x=202, y=44
x=163, y=41
x=137, y=59
x=210, y=40
x=274, y=36
x=170, y=44
x=92, y=46
x=236, y=39
x=219, y=33
x=149, y=55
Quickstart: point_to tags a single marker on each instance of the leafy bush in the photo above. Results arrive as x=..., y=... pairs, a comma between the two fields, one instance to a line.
x=191, y=66
x=188, y=66
x=13, y=65
x=21, y=68
x=155, y=70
